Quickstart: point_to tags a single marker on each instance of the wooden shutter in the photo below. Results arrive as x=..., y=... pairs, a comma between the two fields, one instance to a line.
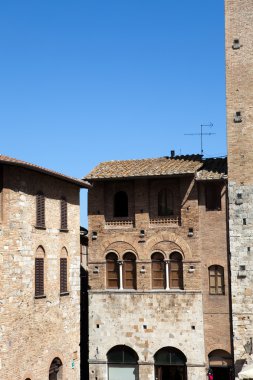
x=40, y=210
x=64, y=214
x=158, y=272
x=129, y=274
x=63, y=275
x=112, y=273
x=176, y=271
x=216, y=280
x=39, y=276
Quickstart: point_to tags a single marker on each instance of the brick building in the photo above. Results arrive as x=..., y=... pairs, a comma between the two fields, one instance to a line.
x=239, y=94
x=158, y=270
x=39, y=273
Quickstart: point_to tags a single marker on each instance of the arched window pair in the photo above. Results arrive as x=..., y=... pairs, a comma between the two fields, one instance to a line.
x=39, y=272
x=216, y=280
x=165, y=202
x=167, y=274
x=40, y=212
x=170, y=363
x=121, y=274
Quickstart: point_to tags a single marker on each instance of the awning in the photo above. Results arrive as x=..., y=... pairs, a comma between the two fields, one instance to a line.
x=246, y=372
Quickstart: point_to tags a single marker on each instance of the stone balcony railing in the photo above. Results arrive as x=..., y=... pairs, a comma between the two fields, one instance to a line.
x=172, y=221
x=120, y=222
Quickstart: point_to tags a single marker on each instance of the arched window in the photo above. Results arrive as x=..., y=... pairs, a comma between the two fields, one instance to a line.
x=165, y=202
x=64, y=271
x=40, y=210
x=122, y=363
x=129, y=271
x=112, y=271
x=158, y=271
x=121, y=204
x=170, y=363
x=176, y=271
x=39, y=272
x=55, y=370
x=64, y=214
x=216, y=280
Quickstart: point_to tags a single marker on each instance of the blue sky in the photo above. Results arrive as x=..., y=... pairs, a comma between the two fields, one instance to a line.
x=86, y=81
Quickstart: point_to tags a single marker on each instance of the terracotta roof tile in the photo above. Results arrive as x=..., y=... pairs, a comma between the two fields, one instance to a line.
x=203, y=169
x=162, y=166
x=27, y=165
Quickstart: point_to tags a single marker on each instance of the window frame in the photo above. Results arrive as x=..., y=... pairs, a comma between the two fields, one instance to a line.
x=216, y=277
x=131, y=270
x=176, y=268
x=162, y=271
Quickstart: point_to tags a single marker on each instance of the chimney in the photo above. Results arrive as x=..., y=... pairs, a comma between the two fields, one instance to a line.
x=172, y=153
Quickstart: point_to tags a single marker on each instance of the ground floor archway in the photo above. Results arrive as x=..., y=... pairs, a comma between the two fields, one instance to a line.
x=170, y=364
x=122, y=363
x=55, y=370
x=221, y=364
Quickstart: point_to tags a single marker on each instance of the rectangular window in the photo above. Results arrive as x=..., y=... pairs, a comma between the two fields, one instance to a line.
x=64, y=214
x=40, y=210
x=112, y=275
x=158, y=275
x=63, y=275
x=213, y=196
x=39, y=277
x=129, y=275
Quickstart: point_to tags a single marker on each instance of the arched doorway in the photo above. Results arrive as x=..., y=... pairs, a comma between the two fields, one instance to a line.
x=122, y=363
x=170, y=364
x=221, y=363
x=55, y=370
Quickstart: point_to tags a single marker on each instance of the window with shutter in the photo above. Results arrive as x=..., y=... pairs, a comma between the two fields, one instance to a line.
x=158, y=271
x=112, y=271
x=176, y=271
x=129, y=271
x=39, y=276
x=216, y=280
x=40, y=210
x=63, y=275
x=64, y=214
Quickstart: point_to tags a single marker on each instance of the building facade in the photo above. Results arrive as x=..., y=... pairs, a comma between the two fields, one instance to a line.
x=158, y=270
x=239, y=94
x=39, y=267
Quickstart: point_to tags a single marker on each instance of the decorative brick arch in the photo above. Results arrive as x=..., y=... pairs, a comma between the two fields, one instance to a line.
x=170, y=237
x=121, y=247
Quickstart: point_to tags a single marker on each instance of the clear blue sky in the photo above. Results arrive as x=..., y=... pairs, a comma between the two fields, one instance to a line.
x=86, y=81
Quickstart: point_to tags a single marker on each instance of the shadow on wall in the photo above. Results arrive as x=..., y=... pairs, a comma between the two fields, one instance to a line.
x=84, y=351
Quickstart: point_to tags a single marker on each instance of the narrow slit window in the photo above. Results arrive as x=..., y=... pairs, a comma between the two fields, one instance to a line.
x=40, y=210
x=39, y=276
x=63, y=275
x=64, y=214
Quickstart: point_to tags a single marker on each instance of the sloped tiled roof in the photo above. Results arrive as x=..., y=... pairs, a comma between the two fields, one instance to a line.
x=27, y=165
x=212, y=169
x=203, y=169
x=162, y=166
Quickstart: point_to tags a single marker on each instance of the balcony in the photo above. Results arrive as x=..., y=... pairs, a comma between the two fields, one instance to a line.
x=171, y=221
x=118, y=222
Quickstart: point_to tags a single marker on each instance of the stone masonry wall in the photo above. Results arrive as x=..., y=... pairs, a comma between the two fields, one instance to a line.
x=239, y=91
x=35, y=331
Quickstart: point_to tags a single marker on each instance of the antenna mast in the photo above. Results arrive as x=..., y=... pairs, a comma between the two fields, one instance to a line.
x=201, y=134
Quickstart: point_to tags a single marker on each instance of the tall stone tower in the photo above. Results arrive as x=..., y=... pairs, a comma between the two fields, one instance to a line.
x=239, y=92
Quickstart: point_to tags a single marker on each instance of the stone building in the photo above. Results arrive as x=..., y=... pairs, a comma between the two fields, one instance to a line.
x=39, y=273
x=239, y=94
x=158, y=270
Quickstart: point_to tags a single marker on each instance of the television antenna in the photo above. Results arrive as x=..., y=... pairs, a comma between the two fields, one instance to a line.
x=201, y=134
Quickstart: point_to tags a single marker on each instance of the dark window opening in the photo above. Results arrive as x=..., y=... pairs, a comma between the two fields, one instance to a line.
x=123, y=355
x=165, y=203
x=55, y=370
x=112, y=271
x=121, y=204
x=213, y=197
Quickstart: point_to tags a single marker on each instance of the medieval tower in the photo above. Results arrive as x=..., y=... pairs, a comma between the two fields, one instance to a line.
x=239, y=93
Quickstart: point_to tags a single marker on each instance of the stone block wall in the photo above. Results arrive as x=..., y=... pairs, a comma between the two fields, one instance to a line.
x=35, y=331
